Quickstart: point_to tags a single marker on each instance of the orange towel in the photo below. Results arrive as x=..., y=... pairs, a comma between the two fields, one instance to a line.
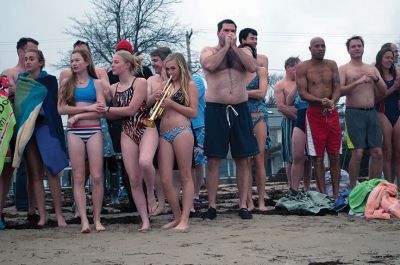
x=383, y=202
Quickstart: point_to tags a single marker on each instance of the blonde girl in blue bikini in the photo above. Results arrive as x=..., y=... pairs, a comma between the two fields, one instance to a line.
x=176, y=139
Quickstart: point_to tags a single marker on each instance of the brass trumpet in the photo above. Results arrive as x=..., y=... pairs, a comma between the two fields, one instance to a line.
x=156, y=111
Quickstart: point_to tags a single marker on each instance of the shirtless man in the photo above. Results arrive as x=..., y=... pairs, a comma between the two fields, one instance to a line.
x=154, y=87
x=319, y=84
x=21, y=202
x=249, y=36
x=361, y=84
x=227, y=117
x=157, y=62
x=23, y=45
x=283, y=89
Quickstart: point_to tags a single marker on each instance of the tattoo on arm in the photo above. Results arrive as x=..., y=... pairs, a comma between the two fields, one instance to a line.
x=336, y=80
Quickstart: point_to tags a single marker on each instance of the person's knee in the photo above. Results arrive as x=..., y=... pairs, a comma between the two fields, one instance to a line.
x=96, y=179
x=357, y=154
x=317, y=160
x=259, y=160
x=146, y=164
x=299, y=159
x=377, y=154
x=164, y=181
x=79, y=180
x=334, y=158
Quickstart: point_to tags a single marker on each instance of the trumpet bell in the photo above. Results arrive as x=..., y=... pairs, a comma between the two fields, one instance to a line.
x=157, y=110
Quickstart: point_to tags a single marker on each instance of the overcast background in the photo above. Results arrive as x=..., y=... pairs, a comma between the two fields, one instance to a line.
x=284, y=27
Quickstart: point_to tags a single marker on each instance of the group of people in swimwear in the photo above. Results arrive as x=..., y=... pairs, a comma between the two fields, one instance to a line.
x=198, y=125
x=85, y=96
x=310, y=120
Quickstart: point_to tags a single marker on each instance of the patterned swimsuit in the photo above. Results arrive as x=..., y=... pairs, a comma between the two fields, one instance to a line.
x=132, y=126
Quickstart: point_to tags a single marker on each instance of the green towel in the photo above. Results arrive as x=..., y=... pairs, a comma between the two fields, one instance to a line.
x=7, y=122
x=359, y=195
x=311, y=201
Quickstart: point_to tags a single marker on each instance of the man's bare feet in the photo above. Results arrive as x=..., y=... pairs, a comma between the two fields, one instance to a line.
x=61, y=222
x=85, y=228
x=161, y=209
x=181, y=227
x=98, y=226
x=170, y=224
x=42, y=221
x=262, y=208
x=152, y=207
x=250, y=205
x=144, y=228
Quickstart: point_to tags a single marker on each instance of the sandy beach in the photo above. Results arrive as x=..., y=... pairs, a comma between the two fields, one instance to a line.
x=270, y=238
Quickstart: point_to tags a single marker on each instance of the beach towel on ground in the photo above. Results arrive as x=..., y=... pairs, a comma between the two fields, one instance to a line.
x=306, y=202
x=383, y=202
x=7, y=122
x=359, y=195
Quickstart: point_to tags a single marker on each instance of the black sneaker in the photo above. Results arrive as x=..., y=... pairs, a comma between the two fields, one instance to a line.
x=210, y=214
x=245, y=214
x=32, y=219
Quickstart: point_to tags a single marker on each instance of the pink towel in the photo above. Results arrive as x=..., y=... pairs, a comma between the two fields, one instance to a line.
x=382, y=202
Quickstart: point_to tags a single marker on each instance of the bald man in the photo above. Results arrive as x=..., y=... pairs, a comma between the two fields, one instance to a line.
x=318, y=83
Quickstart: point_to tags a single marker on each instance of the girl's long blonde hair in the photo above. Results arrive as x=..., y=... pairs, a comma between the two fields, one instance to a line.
x=68, y=89
x=185, y=74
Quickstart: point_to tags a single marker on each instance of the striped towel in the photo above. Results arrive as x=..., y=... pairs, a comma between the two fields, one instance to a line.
x=29, y=97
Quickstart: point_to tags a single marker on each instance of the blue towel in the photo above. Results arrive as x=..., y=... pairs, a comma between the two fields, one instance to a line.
x=29, y=96
x=48, y=131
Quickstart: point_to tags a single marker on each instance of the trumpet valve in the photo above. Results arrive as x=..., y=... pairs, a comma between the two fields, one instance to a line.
x=149, y=123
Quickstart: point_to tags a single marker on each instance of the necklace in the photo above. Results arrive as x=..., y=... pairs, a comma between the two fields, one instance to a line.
x=82, y=81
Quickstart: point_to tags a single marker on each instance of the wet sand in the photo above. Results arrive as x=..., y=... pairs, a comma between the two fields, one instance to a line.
x=270, y=238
